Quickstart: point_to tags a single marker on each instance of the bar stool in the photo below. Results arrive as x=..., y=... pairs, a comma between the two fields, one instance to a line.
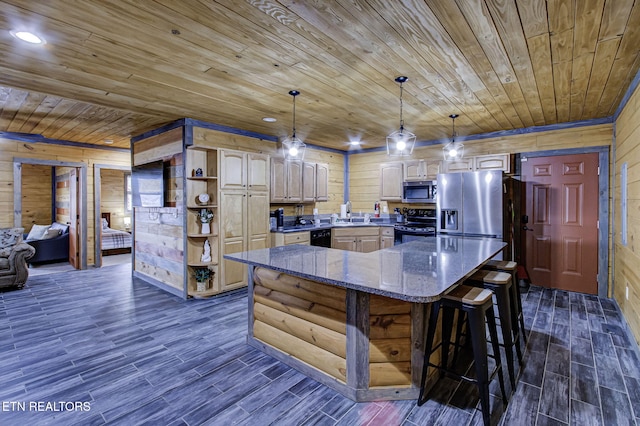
x=511, y=268
x=477, y=304
x=500, y=284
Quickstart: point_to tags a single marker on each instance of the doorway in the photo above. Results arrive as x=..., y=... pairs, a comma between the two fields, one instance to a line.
x=561, y=219
x=112, y=208
x=73, y=207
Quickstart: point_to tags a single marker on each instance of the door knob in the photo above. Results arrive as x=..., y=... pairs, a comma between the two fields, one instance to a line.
x=525, y=228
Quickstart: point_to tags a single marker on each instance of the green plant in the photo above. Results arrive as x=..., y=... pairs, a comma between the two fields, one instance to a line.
x=202, y=274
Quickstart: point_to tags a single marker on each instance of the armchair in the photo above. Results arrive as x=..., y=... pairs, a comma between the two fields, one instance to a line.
x=13, y=258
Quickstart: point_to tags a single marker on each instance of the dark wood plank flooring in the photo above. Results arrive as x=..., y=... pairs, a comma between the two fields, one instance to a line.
x=136, y=355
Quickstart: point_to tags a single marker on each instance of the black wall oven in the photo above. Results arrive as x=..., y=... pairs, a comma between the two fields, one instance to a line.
x=420, y=223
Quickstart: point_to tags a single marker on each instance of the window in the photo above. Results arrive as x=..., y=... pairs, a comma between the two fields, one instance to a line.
x=128, y=198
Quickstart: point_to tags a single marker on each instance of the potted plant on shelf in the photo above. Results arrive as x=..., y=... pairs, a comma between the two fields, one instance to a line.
x=202, y=276
x=205, y=216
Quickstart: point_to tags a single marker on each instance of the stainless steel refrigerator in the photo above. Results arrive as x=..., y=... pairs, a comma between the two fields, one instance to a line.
x=472, y=204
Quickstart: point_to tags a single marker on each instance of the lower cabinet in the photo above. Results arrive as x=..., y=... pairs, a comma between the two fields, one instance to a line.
x=386, y=237
x=246, y=228
x=281, y=239
x=361, y=239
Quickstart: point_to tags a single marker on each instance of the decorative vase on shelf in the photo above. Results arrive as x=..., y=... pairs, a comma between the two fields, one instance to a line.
x=201, y=286
x=205, y=216
x=206, y=228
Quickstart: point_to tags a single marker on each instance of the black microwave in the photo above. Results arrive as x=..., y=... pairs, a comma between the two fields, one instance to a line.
x=423, y=191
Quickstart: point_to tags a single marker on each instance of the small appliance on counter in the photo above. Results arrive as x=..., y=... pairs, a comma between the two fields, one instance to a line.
x=276, y=219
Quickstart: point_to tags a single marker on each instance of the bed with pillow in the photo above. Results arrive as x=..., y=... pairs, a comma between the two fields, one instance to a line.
x=50, y=241
x=114, y=241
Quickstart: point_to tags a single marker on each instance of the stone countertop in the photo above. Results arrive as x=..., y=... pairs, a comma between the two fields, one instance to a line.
x=419, y=271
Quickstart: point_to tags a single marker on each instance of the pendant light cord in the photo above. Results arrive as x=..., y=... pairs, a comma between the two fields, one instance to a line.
x=294, y=116
x=401, y=120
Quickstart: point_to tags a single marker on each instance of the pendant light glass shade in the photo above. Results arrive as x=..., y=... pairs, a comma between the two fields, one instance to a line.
x=292, y=146
x=453, y=151
x=400, y=142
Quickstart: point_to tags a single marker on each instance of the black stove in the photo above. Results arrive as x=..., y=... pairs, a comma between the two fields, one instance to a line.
x=418, y=223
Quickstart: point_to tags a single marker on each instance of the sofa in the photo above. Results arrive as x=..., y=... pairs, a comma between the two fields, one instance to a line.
x=14, y=255
x=50, y=241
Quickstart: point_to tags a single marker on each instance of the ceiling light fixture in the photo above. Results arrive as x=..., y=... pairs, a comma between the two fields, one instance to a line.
x=400, y=142
x=28, y=37
x=293, y=147
x=453, y=150
x=269, y=119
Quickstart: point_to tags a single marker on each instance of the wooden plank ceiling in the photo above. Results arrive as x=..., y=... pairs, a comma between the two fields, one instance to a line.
x=113, y=69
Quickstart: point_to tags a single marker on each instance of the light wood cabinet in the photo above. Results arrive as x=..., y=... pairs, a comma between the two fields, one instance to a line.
x=237, y=184
x=417, y=170
x=281, y=239
x=493, y=162
x=322, y=182
x=286, y=180
x=233, y=239
x=244, y=170
x=391, y=176
x=360, y=239
x=386, y=237
x=480, y=163
x=294, y=181
x=463, y=165
x=308, y=182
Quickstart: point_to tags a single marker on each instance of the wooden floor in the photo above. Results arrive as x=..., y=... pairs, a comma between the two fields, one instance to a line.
x=135, y=355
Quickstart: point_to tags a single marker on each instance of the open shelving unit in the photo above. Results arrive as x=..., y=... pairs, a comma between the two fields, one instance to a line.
x=201, y=169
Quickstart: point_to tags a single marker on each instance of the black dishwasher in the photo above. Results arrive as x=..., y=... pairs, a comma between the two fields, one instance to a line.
x=321, y=237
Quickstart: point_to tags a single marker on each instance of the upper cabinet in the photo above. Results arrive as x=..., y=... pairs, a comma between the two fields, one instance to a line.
x=416, y=170
x=322, y=182
x=308, y=182
x=294, y=181
x=286, y=180
x=463, y=165
x=493, y=162
x=391, y=176
x=244, y=170
x=479, y=163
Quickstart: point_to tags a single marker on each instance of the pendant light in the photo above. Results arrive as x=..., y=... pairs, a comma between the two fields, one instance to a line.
x=293, y=147
x=400, y=142
x=453, y=151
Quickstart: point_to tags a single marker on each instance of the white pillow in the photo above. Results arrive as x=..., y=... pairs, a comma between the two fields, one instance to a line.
x=37, y=232
x=51, y=233
x=105, y=224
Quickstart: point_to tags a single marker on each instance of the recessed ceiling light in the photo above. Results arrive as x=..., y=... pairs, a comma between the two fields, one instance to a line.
x=28, y=37
x=108, y=141
x=269, y=119
x=355, y=143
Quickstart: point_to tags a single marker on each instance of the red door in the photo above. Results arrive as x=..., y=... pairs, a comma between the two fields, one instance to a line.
x=561, y=237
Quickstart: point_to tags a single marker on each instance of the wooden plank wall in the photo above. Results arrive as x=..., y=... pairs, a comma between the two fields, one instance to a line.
x=302, y=318
x=62, y=195
x=159, y=245
x=214, y=139
x=36, y=195
x=389, y=342
x=159, y=232
x=112, y=196
x=10, y=149
x=627, y=257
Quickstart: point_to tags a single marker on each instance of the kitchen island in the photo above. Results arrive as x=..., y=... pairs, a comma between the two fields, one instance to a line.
x=355, y=321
